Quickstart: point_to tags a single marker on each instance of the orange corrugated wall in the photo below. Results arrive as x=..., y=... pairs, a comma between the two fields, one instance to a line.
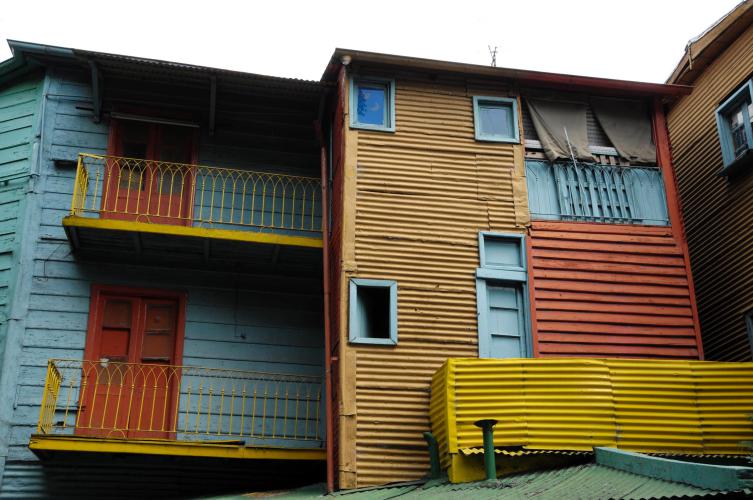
x=610, y=290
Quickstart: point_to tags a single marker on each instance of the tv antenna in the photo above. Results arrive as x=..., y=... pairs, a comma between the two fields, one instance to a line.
x=493, y=53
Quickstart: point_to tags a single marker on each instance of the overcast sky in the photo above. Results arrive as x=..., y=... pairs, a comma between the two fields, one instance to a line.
x=628, y=39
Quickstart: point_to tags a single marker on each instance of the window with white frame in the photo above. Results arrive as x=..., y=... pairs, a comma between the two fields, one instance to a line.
x=495, y=119
x=373, y=311
x=372, y=104
x=733, y=120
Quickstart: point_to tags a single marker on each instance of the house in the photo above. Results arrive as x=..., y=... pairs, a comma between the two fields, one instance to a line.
x=162, y=263
x=711, y=142
x=223, y=281
x=494, y=213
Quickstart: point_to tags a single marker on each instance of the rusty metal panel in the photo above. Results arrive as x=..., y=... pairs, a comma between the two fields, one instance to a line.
x=610, y=290
x=652, y=406
x=422, y=196
x=717, y=211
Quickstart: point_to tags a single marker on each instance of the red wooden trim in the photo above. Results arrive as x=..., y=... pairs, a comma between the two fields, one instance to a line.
x=664, y=158
x=532, y=298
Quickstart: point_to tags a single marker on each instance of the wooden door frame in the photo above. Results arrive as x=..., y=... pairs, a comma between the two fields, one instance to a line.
x=98, y=290
x=154, y=141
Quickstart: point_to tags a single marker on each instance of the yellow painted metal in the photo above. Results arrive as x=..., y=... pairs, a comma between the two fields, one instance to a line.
x=194, y=195
x=107, y=399
x=414, y=202
x=171, y=448
x=73, y=221
x=652, y=406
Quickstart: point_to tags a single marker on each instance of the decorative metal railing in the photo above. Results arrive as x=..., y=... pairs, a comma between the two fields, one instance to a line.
x=194, y=195
x=596, y=193
x=139, y=400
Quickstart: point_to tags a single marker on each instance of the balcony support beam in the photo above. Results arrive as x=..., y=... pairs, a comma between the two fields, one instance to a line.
x=96, y=92
x=212, y=103
x=40, y=444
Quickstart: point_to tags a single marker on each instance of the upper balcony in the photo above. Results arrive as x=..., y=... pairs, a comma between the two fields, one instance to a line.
x=136, y=206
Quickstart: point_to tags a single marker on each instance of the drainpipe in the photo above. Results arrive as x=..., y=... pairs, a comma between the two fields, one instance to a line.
x=326, y=292
x=487, y=426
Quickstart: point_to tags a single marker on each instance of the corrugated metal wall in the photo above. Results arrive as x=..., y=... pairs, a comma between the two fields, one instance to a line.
x=423, y=194
x=717, y=211
x=577, y=404
x=610, y=290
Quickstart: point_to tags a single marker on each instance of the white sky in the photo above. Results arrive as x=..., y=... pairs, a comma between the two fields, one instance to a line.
x=627, y=39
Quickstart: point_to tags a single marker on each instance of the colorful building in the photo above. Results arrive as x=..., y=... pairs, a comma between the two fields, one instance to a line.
x=711, y=142
x=491, y=213
x=218, y=281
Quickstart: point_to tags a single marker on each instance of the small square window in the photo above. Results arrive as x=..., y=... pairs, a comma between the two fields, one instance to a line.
x=733, y=120
x=496, y=119
x=372, y=104
x=373, y=312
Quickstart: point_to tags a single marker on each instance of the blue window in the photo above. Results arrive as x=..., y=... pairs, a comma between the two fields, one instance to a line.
x=502, y=297
x=372, y=104
x=733, y=121
x=373, y=312
x=496, y=119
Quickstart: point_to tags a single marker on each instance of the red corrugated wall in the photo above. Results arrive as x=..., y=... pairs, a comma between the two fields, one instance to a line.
x=610, y=290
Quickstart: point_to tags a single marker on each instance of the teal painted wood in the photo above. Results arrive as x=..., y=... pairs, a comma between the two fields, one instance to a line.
x=270, y=322
x=502, y=297
x=596, y=193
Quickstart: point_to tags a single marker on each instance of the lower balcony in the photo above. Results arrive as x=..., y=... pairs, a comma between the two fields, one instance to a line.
x=128, y=206
x=156, y=409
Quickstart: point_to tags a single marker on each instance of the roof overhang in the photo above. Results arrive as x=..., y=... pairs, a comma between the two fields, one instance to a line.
x=25, y=53
x=701, y=51
x=518, y=76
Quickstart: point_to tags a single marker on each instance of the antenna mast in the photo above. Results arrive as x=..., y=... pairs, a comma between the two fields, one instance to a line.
x=493, y=53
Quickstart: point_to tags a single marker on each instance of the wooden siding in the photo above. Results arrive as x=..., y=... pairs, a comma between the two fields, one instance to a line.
x=421, y=196
x=19, y=134
x=717, y=210
x=610, y=291
x=270, y=321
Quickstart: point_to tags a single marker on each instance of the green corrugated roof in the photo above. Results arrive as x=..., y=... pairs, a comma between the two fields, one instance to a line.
x=588, y=481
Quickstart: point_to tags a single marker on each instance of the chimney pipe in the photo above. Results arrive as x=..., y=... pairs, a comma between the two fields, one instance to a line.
x=487, y=426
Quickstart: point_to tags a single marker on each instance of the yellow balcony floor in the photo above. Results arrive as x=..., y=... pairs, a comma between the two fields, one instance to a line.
x=76, y=227
x=41, y=444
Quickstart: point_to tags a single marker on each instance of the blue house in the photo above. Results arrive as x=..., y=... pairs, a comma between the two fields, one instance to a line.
x=161, y=309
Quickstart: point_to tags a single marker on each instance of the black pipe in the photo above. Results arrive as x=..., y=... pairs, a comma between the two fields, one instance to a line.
x=435, y=471
x=490, y=464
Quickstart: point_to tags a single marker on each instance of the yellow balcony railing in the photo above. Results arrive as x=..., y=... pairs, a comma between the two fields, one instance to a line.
x=194, y=195
x=154, y=401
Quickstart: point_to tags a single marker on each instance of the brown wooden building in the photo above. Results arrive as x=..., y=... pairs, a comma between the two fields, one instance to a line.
x=710, y=132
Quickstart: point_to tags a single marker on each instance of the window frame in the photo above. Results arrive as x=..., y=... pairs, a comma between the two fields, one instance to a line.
x=353, y=336
x=723, y=129
x=491, y=275
x=389, y=105
x=501, y=101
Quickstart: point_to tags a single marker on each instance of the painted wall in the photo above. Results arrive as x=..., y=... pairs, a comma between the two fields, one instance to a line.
x=717, y=210
x=413, y=205
x=605, y=290
x=19, y=133
x=269, y=322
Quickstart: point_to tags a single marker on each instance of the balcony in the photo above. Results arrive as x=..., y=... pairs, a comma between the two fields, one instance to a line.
x=132, y=206
x=596, y=193
x=154, y=409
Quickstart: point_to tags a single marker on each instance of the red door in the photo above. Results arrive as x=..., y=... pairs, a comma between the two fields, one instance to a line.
x=130, y=379
x=150, y=177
